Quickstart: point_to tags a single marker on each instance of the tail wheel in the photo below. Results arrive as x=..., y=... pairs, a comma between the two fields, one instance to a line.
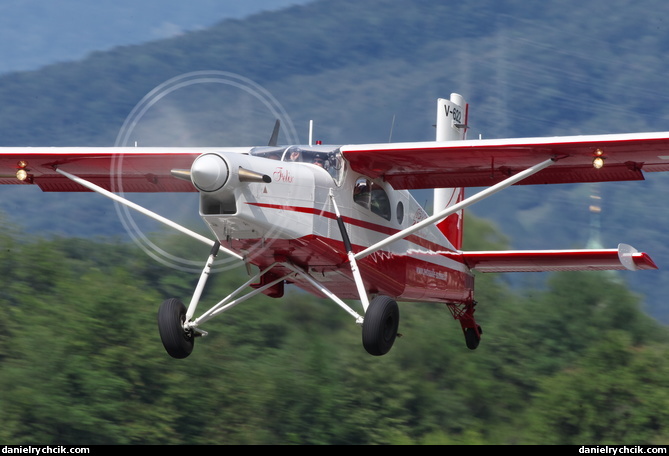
x=379, y=327
x=177, y=341
x=473, y=337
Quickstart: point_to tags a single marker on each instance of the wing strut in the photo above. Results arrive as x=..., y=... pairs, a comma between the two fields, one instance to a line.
x=229, y=302
x=351, y=257
x=145, y=211
x=358, y=319
x=456, y=207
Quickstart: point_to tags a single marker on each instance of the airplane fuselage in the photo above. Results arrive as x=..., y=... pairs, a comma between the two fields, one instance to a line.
x=278, y=210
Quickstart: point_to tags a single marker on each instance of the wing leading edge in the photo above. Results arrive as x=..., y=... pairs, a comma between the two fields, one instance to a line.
x=481, y=163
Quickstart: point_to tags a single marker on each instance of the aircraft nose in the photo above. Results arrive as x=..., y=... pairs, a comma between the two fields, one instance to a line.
x=209, y=172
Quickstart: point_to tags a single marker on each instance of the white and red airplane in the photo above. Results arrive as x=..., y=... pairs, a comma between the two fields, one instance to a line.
x=340, y=222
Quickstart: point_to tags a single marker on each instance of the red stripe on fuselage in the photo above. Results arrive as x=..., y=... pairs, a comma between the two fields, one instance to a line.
x=382, y=229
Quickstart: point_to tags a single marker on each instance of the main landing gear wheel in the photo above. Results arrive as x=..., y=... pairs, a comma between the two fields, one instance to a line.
x=379, y=327
x=171, y=318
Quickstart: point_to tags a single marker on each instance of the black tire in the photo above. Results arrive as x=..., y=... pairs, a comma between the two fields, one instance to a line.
x=171, y=317
x=472, y=339
x=379, y=327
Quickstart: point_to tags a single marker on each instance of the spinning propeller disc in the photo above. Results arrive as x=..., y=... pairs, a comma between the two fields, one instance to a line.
x=198, y=109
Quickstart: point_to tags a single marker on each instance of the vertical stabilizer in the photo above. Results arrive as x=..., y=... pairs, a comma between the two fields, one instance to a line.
x=451, y=126
x=451, y=118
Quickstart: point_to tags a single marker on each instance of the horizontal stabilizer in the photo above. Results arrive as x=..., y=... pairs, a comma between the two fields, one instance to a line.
x=624, y=257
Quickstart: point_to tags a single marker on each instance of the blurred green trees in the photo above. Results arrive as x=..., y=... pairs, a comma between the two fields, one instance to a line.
x=574, y=362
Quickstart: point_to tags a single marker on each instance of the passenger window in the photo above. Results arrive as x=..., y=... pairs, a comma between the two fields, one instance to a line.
x=372, y=196
x=399, y=212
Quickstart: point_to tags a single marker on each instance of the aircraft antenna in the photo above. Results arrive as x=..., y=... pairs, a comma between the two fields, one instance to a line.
x=311, y=132
x=595, y=238
x=392, y=125
x=595, y=241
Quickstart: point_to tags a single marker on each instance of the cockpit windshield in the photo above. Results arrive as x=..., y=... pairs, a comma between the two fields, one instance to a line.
x=327, y=157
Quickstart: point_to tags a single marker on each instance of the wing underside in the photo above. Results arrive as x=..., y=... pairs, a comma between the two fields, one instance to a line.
x=481, y=163
x=116, y=169
x=468, y=163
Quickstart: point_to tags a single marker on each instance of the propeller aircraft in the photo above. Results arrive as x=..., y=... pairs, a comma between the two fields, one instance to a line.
x=339, y=221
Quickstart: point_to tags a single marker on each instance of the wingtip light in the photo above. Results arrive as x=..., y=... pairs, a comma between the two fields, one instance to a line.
x=22, y=173
x=598, y=161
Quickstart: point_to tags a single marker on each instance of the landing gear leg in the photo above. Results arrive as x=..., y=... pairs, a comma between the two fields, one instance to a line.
x=177, y=336
x=382, y=315
x=464, y=313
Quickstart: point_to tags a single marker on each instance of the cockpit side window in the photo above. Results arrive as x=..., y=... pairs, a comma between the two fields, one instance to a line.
x=362, y=193
x=372, y=196
x=334, y=164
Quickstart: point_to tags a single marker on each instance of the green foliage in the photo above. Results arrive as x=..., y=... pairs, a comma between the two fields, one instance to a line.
x=577, y=362
x=616, y=392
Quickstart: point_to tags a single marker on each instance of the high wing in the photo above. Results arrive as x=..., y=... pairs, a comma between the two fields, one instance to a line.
x=118, y=169
x=418, y=165
x=481, y=163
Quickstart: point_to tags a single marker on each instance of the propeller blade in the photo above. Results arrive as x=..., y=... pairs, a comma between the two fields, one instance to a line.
x=181, y=174
x=246, y=175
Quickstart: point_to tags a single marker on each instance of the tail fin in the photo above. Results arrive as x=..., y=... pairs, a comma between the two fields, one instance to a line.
x=451, y=126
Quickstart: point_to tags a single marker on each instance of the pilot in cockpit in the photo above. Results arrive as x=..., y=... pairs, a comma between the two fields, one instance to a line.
x=295, y=155
x=318, y=160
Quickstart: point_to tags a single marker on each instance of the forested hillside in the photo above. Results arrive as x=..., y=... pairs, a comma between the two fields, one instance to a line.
x=82, y=363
